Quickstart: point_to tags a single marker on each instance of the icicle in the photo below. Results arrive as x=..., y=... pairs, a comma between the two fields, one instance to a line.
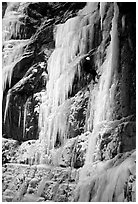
x=58, y=124
x=102, y=11
x=89, y=8
x=7, y=75
x=115, y=39
x=7, y=104
x=123, y=22
x=19, y=121
x=25, y=115
x=103, y=111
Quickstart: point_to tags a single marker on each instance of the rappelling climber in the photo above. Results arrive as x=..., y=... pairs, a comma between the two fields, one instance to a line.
x=87, y=66
x=44, y=79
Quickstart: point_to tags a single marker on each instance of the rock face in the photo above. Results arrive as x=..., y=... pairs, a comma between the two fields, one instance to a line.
x=69, y=101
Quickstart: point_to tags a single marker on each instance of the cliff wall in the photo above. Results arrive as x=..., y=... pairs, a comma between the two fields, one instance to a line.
x=69, y=99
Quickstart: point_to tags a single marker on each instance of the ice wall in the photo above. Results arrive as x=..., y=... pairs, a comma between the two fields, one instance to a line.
x=73, y=40
x=103, y=102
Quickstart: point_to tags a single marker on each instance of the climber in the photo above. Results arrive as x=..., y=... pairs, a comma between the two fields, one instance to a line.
x=87, y=66
x=44, y=78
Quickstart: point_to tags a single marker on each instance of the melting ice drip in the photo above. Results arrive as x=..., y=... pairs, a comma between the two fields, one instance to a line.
x=104, y=100
x=73, y=40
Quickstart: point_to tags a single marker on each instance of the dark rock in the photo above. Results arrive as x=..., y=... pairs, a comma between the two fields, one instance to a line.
x=78, y=113
x=121, y=139
x=4, y=6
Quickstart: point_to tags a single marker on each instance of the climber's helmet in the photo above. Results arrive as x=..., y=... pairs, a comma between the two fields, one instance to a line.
x=87, y=58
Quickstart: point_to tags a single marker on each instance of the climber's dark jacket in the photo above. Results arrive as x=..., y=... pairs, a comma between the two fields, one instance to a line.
x=87, y=67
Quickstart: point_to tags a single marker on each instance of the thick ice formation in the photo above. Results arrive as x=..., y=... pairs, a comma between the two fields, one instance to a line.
x=73, y=40
x=103, y=102
x=108, y=80
x=105, y=181
x=25, y=115
x=102, y=11
x=7, y=104
x=102, y=181
x=20, y=114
